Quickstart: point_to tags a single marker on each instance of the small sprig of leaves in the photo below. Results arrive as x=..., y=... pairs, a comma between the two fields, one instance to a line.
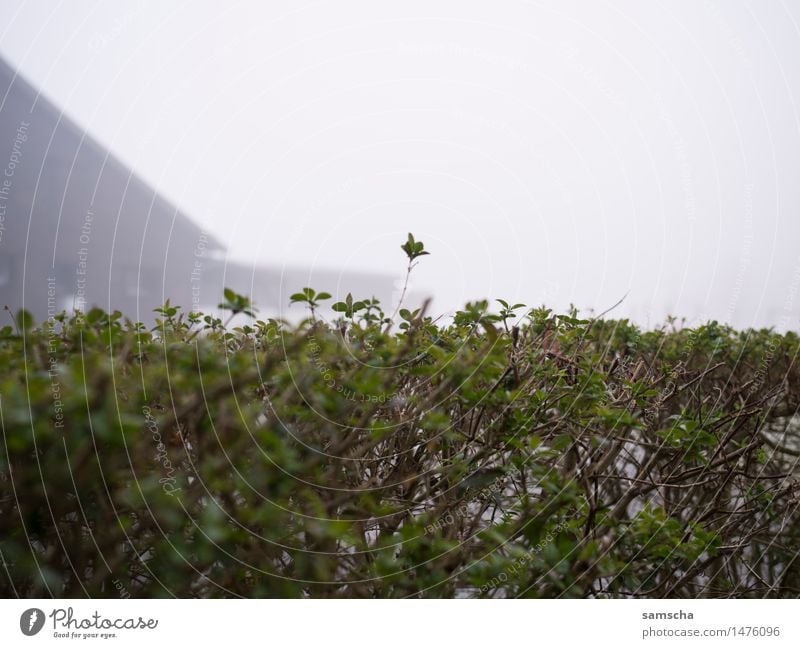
x=373, y=311
x=310, y=298
x=169, y=320
x=348, y=306
x=369, y=309
x=508, y=312
x=477, y=314
x=412, y=248
x=408, y=317
x=237, y=303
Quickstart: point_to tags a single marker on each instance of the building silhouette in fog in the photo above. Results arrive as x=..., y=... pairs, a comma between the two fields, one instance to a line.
x=80, y=229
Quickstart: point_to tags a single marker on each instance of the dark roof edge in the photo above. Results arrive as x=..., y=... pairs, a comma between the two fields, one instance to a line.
x=90, y=142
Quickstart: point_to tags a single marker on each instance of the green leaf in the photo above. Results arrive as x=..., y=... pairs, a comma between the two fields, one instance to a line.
x=24, y=320
x=96, y=314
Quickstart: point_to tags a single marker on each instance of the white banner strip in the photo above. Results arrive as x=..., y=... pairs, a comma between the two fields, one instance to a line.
x=460, y=624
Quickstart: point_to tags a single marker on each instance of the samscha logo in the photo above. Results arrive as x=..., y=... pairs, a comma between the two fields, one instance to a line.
x=31, y=621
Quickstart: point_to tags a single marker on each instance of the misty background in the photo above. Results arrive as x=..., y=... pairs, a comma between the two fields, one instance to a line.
x=545, y=152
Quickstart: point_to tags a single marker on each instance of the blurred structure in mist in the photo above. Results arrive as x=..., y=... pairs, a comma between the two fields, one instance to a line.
x=79, y=229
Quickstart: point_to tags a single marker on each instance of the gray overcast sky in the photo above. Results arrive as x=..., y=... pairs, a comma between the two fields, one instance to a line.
x=544, y=151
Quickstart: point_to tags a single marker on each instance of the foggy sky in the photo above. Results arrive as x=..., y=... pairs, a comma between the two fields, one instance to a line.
x=557, y=152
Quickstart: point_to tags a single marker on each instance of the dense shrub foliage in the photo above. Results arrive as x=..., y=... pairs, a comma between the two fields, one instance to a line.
x=514, y=454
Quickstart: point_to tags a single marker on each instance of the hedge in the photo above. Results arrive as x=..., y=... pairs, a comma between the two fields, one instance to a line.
x=506, y=452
